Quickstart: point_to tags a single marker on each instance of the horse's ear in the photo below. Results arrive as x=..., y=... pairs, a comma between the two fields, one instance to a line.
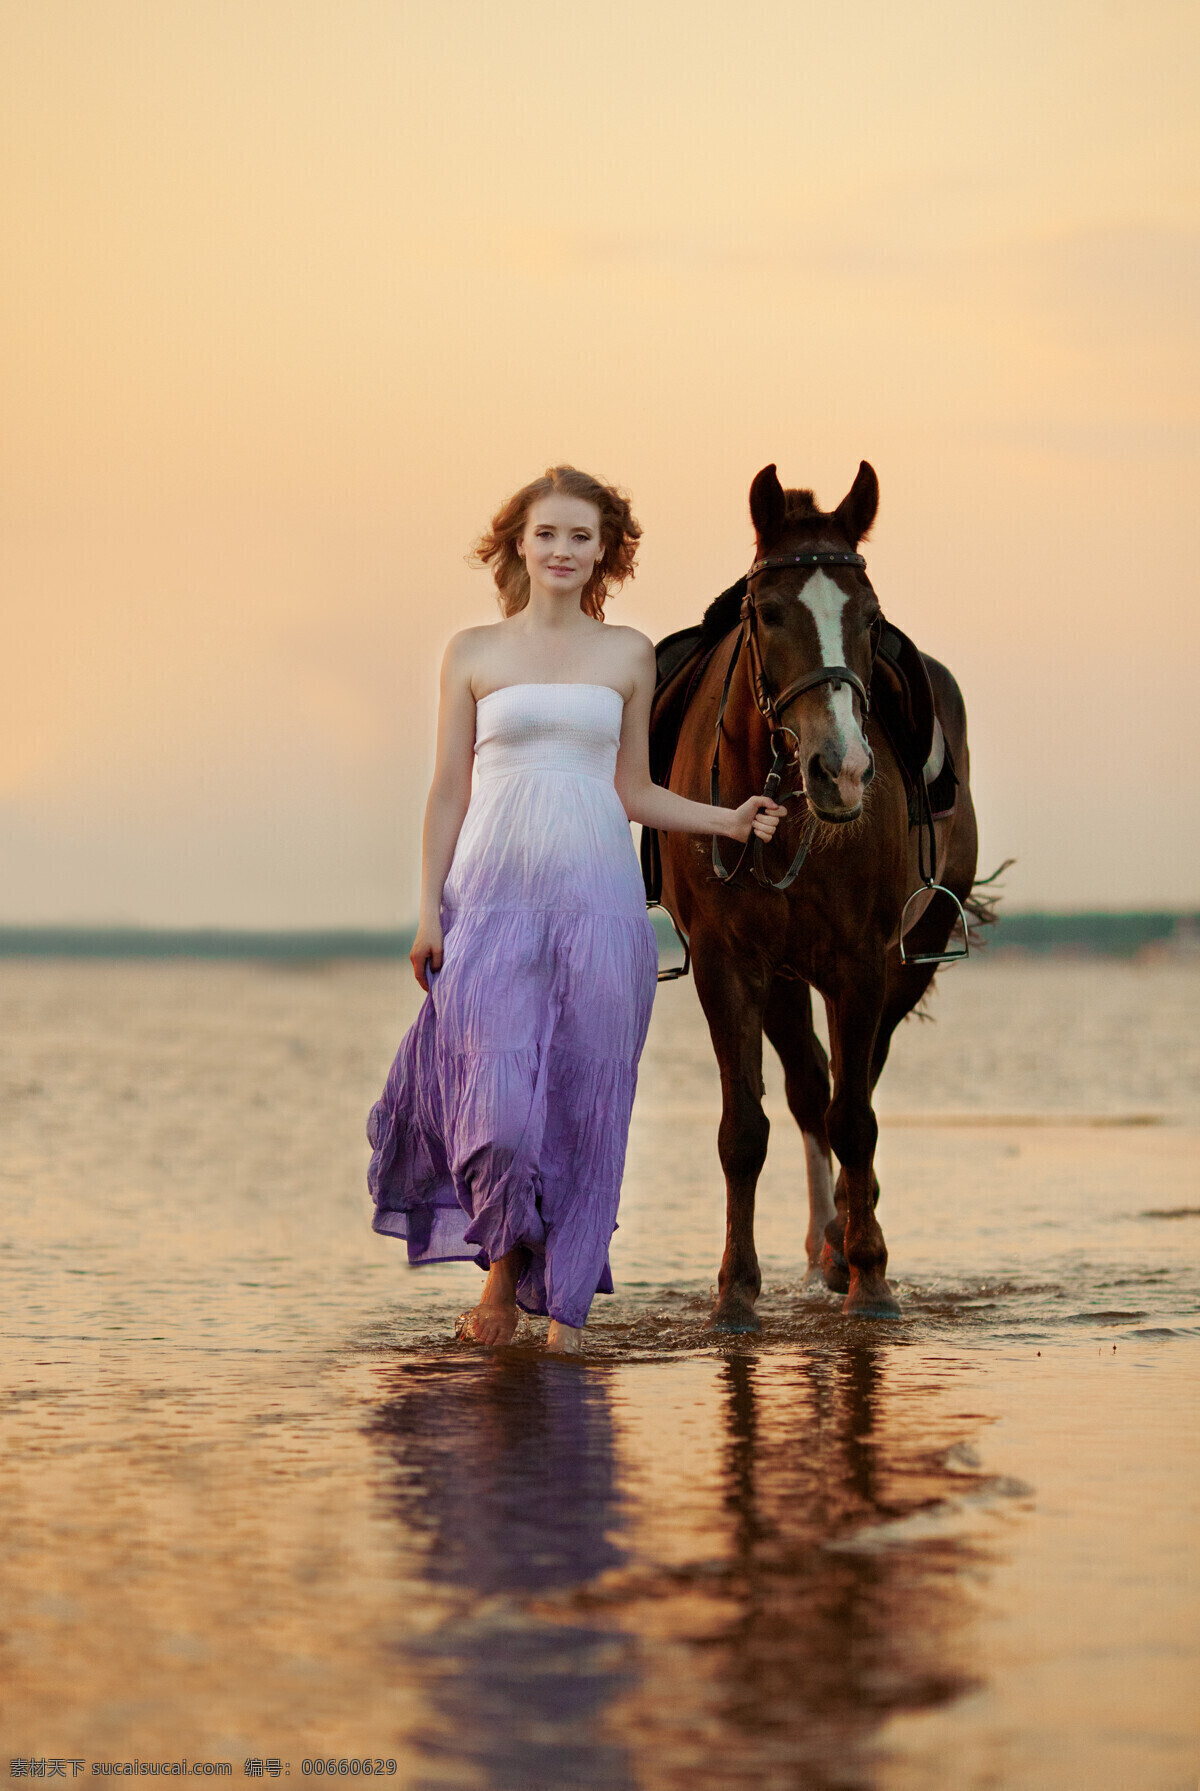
x=856, y=512
x=767, y=505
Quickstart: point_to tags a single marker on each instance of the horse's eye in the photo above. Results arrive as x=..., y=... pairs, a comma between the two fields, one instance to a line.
x=771, y=614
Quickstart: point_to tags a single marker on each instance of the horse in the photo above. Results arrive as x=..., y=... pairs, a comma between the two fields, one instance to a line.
x=781, y=677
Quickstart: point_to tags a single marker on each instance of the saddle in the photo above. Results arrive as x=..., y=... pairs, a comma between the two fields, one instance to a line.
x=902, y=702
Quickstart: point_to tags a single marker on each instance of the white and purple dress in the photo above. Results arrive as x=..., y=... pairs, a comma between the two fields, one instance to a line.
x=505, y=1115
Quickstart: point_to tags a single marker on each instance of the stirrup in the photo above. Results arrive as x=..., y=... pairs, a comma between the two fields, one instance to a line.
x=935, y=957
x=669, y=976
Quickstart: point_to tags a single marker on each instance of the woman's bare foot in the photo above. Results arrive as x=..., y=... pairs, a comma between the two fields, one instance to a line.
x=495, y=1319
x=564, y=1340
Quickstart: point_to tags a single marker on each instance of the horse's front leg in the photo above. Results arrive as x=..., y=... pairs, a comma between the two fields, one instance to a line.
x=733, y=998
x=853, y=1133
x=788, y=1024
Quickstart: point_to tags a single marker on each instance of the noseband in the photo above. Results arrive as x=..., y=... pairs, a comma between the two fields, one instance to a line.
x=771, y=708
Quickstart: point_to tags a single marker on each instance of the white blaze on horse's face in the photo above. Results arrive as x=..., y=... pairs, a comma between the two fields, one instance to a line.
x=837, y=754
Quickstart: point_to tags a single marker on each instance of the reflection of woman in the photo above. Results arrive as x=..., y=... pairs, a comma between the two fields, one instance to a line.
x=505, y=1479
x=509, y=1470
x=500, y=1135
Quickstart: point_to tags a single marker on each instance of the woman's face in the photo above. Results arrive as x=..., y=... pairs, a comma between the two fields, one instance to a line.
x=561, y=544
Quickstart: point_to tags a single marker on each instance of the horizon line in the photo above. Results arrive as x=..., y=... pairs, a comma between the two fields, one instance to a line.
x=1109, y=931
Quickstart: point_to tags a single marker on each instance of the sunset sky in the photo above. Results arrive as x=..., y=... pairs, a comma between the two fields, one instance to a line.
x=297, y=292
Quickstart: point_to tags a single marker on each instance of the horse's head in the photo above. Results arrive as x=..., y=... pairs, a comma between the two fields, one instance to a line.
x=810, y=618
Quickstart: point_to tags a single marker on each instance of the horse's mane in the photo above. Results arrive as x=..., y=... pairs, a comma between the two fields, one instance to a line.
x=723, y=612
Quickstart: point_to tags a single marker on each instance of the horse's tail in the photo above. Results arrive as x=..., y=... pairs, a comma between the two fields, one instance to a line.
x=981, y=906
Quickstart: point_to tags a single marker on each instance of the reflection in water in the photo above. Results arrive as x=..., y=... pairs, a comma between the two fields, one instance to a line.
x=764, y=1639
x=507, y=1469
x=696, y=1563
x=833, y=1632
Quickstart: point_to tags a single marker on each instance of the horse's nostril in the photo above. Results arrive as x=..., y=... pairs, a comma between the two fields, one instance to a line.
x=869, y=773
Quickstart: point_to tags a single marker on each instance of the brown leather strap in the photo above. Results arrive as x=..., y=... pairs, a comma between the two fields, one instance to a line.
x=826, y=674
x=714, y=778
x=770, y=708
x=779, y=765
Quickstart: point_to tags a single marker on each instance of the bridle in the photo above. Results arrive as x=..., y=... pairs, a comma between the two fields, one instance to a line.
x=771, y=708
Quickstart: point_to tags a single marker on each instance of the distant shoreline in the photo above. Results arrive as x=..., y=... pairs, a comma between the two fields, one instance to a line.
x=1099, y=933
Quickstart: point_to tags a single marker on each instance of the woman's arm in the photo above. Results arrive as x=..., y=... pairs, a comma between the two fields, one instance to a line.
x=449, y=795
x=649, y=803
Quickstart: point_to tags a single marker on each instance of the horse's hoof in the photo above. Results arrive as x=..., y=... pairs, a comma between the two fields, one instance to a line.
x=835, y=1270
x=734, y=1315
x=871, y=1299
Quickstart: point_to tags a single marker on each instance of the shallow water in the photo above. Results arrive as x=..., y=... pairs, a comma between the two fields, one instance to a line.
x=257, y=1504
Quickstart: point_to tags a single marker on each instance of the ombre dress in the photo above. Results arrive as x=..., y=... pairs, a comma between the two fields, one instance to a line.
x=506, y=1112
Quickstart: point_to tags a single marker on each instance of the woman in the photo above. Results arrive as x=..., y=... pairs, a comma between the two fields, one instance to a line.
x=500, y=1135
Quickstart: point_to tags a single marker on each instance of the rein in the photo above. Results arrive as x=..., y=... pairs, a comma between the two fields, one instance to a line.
x=771, y=707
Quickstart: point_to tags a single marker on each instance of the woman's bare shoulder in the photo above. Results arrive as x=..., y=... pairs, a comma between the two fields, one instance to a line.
x=635, y=648
x=631, y=638
x=470, y=646
x=466, y=638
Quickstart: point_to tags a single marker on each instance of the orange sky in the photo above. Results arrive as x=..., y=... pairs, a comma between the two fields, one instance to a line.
x=297, y=292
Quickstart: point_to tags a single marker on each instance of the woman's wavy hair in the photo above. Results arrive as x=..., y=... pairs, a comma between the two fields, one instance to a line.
x=619, y=537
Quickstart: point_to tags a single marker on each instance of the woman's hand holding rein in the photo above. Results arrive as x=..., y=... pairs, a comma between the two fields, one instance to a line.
x=647, y=802
x=758, y=815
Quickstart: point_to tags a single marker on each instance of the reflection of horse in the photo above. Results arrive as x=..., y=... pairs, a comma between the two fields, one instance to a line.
x=818, y=1634
x=781, y=676
x=843, y=1635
